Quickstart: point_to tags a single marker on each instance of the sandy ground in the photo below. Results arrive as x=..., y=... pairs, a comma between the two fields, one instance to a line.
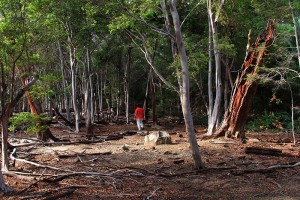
x=127, y=169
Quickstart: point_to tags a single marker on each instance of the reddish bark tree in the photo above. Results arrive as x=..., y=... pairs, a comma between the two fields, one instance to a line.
x=43, y=135
x=245, y=89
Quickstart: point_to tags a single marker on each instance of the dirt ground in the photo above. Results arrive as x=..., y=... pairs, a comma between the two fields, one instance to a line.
x=127, y=169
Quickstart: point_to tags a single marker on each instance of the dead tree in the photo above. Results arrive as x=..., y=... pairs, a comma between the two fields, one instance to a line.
x=245, y=87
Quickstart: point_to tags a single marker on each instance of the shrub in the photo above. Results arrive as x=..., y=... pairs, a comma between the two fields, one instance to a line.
x=273, y=121
x=28, y=122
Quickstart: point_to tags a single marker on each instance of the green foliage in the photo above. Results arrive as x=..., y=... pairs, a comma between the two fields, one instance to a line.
x=226, y=46
x=271, y=121
x=31, y=124
x=45, y=88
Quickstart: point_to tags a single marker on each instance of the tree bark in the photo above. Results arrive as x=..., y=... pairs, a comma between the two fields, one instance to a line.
x=215, y=109
x=45, y=135
x=74, y=94
x=6, y=112
x=64, y=82
x=153, y=99
x=245, y=89
x=296, y=34
x=127, y=84
x=87, y=98
x=184, y=88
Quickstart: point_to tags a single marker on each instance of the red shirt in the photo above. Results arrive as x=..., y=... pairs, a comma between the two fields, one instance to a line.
x=139, y=113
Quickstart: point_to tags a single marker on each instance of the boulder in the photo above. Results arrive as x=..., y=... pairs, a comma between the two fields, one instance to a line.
x=157, y=137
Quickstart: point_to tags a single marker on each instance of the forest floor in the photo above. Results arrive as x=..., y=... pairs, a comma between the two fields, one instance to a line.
x=125, y=168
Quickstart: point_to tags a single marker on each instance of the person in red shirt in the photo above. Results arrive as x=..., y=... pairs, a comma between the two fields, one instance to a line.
x=139, y=117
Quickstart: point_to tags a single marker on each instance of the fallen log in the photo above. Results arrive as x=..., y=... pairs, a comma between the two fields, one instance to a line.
x=265, y=170
x=84, y=154
x=271, y=152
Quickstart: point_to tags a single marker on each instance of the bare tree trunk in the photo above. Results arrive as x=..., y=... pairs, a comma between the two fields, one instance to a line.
x=92, y=99
x=127, y=84
x=4, y=129
x=244, y=89
x=64, y=82
x=146, y=100
x=296, y=34
x=216, y=111
x=210, y=75
x=98, y=97
x=74, y=85
x=87, y=97
x=3, y=187
x=184, y=89
x=153, y=99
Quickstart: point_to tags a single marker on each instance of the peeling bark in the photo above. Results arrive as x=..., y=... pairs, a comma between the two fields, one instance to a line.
x=245, y=89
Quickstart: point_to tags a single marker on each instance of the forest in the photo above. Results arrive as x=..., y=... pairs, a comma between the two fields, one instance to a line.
x=220, y=78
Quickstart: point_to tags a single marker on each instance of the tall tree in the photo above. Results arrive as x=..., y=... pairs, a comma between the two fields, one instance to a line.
x=214, y=110
x=184, y=88
x=245, y=87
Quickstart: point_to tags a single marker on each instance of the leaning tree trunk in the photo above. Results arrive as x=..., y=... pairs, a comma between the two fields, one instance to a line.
x=244, y=89
x=184, y=89
x=42, y=135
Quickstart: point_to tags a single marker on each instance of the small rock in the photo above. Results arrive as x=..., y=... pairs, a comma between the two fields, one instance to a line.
x=125, y=147
x=157, y=137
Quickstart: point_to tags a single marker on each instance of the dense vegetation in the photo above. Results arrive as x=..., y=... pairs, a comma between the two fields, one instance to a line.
x=100, y=51
x=86, y=61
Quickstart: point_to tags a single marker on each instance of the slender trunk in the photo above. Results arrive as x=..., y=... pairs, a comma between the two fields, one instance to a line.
x=88, y=93
x=102, y=83
x=64, y=83
x=74, y=85
x=98, y=97
x=4, y=129
x=216, y=112
x=145, y=107
x=296, y=35
x=184, y=89
x=210, y=75
x=161, y=98
x=153, y=99
x=127, y=84
x=92, y=99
